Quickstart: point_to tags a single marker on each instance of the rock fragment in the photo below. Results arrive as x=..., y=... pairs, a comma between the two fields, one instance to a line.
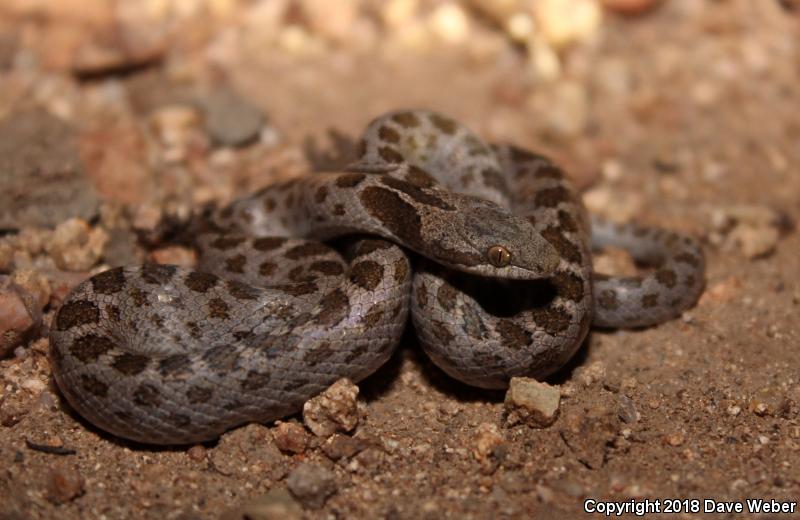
x=20, y=314
x=277, y=504
x=311, y=485
x=489, y=447
x=335, y=409
x=231, y=120
x=340, y=446
x=64, y=484
x=290, y=437
x=530, y=402
x=75, y=246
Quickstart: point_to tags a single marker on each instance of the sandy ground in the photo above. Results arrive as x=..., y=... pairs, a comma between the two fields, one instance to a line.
x=684, y=116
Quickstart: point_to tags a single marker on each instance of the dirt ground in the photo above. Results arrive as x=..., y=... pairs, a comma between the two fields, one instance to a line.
x=128, y=115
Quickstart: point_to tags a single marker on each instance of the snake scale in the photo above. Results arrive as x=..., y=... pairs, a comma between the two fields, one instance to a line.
x=487, y=247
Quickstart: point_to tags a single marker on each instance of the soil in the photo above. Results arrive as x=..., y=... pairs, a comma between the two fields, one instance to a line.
x=682, y=115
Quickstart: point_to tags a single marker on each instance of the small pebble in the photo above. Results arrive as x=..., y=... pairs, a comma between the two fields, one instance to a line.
x=175, y=255
x=231, y=120
x=530, y=402
x=488, y=446
x=311, y=485
x=335, y=409
x=290, y=437
x=340, y=446
x=197, y=453
x=627, y=410
x=75, y=246
x=769, y=401
x=16, y=321
x=64, y=484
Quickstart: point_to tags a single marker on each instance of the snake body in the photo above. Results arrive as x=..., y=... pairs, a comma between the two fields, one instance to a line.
x=501, y=285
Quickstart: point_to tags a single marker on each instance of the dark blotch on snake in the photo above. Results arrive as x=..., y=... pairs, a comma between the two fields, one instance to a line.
x=217, y=308
x=406, y=119
x=229, y=242
x=423, y=196
x=667, y=278
x=389, y=135
x=650, y=300
x=268, y=243
x=157, y=274
x=327, y=267
x=445, y=124
x=88, y=348
x=569, y=251
x=146, y=395
x=607, y=299
x=366, y=274
x=198, y=394
x=200, y=282
x=236, y=264
x=77, y=313
x=334, y=307
x=242, y=291
x=221, y=358
x=109, y=282
x=306, y=250
x=350, y=180
x=446, y=296
x=390, y=155
x=93, y=385
x=552, y=197
x=175, y=364
x=130, y=364
x=513, y=335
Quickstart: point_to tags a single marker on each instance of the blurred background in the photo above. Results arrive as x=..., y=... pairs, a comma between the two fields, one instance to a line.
x=119, y=118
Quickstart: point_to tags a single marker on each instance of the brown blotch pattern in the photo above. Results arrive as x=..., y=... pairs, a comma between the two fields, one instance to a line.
x=77, y=313
x=444, y=336
x=390, y=155
x=221, y=358
x=400, y=270
x=306, y=249
x=548, y=171
x=217, y=308
x=419, y=177
x=157, y=274
x=688, y=258
x=406, y=119
x=566, y=222
x=334, y=307
x=236, y=264
x=269, y=204
x=198, y=394
x=268, y=243
x=366, y=274
x=650, y=300
x=569, y=251
x=513, y=335
x=607, y=299
x=93, y=385
x=667, y=277
x=338, y=209
x=200, y=282
x=421, y=195
x=321, y=194
x=422, y=296
x=174, y=364
x=318, y=354
x=494, y=179
x=569, y=286
x=267, y=268
x=552, y=197
x=242, y=291
x=389, y=135
x=138, y=296
x=445, y=124
x=109, y=282
x=327, y=267
x=350, y=180
x=297, y=289
x=368, y=246
x=130, y=364
x=552, y=319
x=147, y=395
x=89, y=348
x=446, y=296
x=227, y=242
x=373, y=315
x=255, y=380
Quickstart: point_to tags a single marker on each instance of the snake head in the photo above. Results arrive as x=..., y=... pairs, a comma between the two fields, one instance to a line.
x=508, y=245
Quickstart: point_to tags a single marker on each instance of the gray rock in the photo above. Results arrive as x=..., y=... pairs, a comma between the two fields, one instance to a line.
x=42, y=180
x=230, y=119
x=311, y=485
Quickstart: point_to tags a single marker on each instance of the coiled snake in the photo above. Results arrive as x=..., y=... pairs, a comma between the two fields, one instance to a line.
x=502, y=285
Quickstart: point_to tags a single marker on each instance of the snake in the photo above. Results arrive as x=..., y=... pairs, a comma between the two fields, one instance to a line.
x=309, y=280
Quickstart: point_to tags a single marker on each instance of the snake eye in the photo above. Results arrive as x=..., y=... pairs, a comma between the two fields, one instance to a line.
x=499, y=256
